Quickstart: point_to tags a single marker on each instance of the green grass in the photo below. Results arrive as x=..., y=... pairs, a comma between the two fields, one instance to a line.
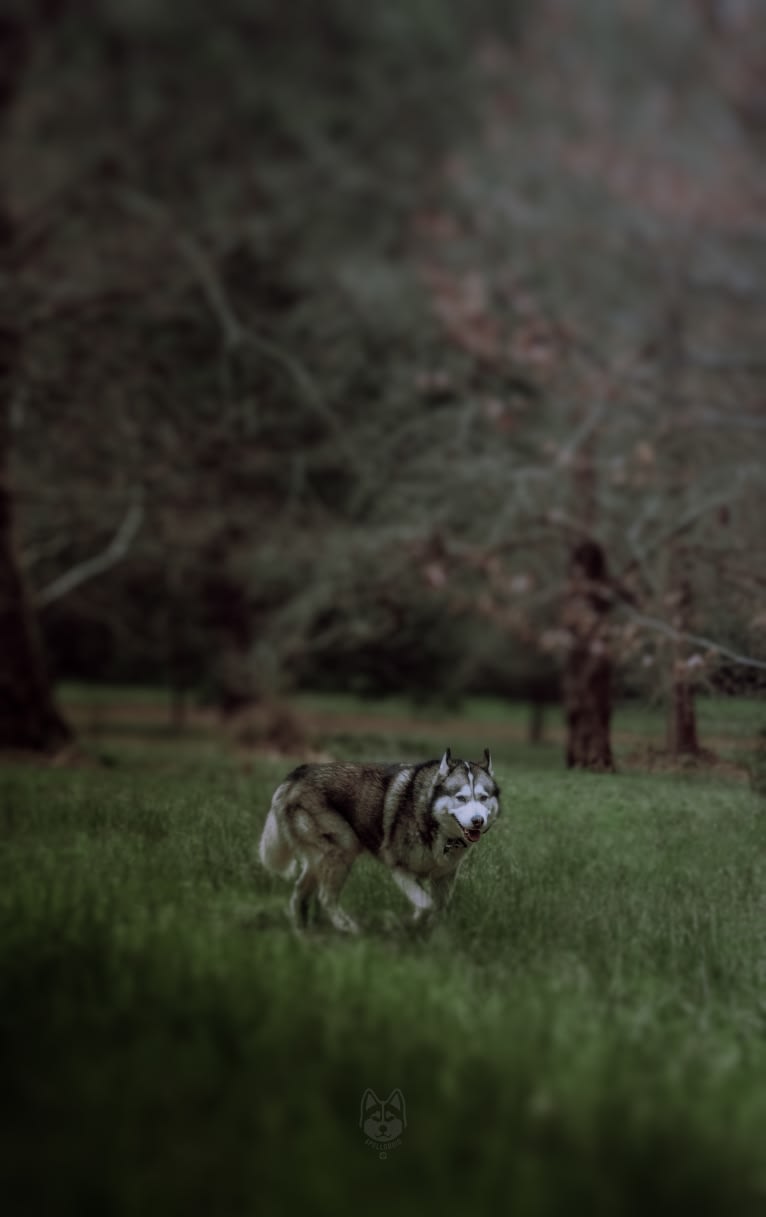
x=120, y=723
x=715, y=712
x=585, y=1033
x=73, y=693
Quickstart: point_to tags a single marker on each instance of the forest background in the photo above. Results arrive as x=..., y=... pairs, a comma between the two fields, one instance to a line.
x=412, y=348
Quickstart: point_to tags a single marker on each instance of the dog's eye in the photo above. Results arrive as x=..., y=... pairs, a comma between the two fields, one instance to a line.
x=462, y=798
x=482, y=797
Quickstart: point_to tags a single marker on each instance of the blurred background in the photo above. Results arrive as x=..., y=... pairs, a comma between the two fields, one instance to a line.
x=416, y=347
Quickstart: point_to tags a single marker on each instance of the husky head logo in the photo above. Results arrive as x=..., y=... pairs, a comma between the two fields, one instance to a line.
x=382, y=1121
x=467, y=797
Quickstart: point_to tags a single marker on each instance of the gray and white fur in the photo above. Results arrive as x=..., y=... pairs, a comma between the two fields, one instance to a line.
x=419, y=820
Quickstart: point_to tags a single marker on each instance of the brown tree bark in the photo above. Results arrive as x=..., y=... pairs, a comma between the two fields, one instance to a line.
x=587, y=680
x=29, y=718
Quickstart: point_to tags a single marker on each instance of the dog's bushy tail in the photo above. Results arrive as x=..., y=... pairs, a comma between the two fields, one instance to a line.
x=275, y=850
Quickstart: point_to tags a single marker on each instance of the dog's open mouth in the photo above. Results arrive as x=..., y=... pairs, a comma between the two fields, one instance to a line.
x=472, y=834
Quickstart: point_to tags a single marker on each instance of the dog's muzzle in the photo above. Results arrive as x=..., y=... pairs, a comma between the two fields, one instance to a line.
x=472, y=831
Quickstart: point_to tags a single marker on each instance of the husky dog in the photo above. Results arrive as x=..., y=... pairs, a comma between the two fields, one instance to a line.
x=419, y=820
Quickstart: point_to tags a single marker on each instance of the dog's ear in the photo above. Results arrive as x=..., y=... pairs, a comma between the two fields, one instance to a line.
x=396, y=1099
x=446, y=761
x=488, y=763
x=369, y=1099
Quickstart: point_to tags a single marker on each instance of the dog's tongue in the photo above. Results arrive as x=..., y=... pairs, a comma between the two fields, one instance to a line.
x=473, y=834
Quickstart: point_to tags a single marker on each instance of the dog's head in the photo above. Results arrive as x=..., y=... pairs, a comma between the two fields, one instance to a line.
x=382, y=1121
x=467, y=797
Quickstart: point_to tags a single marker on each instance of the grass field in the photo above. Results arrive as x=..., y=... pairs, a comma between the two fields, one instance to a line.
x=586, y=1032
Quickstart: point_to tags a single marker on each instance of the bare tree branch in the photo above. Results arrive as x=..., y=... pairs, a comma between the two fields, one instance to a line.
x=586, y=428
x=698, y=640
x=687, y=521
x=721, y=361
x=114, y=553
x=234, y=334
x=193, y=254
x=742, y=422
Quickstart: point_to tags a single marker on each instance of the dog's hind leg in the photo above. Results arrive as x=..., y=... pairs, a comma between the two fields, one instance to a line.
x=333, y=871
x=304, y=889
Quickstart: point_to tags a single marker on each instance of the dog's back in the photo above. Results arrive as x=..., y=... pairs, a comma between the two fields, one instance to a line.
x=313, y=797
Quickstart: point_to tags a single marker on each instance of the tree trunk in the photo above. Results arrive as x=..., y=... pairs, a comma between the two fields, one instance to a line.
x=588, y=705
x=587, y=681
x=28, y=716
x=682, y=719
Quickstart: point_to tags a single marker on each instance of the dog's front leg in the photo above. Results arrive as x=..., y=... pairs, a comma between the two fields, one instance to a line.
x=417, y=895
